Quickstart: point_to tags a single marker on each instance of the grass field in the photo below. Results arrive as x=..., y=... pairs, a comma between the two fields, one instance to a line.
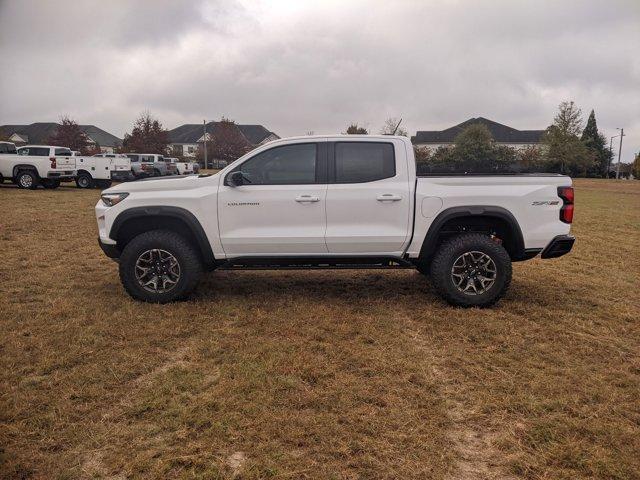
x=330, y=374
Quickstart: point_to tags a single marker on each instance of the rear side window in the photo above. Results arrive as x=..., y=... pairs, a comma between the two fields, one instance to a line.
x=7, y=148
x=35, y=151
x=360, y=162
x=287, y=165
x=65, y=152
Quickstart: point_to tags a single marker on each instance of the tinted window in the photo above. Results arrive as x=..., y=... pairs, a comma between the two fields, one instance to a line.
x=134, y=158
x=358, y=162
x=286, y=165
x=63, y=151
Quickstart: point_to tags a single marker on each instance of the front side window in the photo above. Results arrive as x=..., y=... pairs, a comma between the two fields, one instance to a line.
x=133, y=158
x=359, y=162
x=286, y=165
x=63, y=152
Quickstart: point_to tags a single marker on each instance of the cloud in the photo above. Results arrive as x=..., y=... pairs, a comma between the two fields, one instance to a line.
x=299, y=66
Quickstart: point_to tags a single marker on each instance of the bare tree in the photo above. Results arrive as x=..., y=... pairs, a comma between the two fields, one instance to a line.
x=68, y=134
x=389, y=128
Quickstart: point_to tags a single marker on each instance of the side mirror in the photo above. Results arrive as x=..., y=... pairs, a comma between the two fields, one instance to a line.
x=235, y=179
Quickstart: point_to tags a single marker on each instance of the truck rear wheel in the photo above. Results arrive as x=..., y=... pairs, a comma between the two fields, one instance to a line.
x=159, y=266
x=27, y=179
x=471, y=270
x=84, y=180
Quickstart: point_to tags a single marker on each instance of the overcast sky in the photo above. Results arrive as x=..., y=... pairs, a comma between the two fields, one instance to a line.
x=297, y=66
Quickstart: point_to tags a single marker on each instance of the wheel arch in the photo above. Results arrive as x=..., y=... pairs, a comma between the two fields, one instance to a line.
x=22, y=166
x=137, y=220
x=475, y=216
x=82, y=170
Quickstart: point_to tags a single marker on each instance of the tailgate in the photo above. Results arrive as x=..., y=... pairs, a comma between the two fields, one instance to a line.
x=121, y=164
x=65, y=163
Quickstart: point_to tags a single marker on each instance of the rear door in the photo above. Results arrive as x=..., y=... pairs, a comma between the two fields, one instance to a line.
x=368, y=201
x=280, y=208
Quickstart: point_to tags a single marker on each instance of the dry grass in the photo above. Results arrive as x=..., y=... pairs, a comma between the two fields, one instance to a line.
x=334, y=374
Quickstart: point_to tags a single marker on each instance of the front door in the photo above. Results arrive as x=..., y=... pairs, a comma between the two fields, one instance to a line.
x=280, y=207
x=368, y=203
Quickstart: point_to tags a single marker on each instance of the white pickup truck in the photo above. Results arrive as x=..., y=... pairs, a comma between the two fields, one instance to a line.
x=34, y=165
x=334, y=202
x=182, y=168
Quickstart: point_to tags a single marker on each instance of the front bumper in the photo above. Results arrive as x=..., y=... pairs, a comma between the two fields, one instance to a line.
x=559, y=246
x=122, y=175
x=109, y=250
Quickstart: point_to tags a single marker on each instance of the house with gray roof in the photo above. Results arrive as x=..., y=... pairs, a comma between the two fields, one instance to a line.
x=184, y=140
x=502, y=134
x=39, y=133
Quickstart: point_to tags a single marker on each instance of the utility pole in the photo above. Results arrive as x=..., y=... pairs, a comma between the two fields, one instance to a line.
x=204, y=142
x=610, y=154
x=619, y=153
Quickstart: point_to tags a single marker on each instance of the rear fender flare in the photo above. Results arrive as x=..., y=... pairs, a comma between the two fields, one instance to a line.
x=431, y=239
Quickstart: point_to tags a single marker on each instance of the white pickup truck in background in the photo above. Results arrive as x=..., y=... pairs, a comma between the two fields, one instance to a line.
x=101, y=169
x=183, y=168
x=334, y=202
x=34, y=165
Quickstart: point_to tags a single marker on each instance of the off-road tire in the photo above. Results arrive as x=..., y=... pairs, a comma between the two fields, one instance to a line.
x=451, y=250
x=50, y=184
x=27, y=183
x=186, y=255
x=84, y=180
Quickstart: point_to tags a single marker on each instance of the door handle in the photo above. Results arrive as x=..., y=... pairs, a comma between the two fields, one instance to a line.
x=388, y=197
x=307, y=199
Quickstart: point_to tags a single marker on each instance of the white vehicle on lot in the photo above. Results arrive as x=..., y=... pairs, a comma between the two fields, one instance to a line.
x=334, y=202
x=183, y=168
x=34, y=165
x=150, y=165
x=100, y=170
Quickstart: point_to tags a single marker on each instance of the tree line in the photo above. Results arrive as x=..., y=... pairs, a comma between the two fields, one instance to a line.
x=567, y=148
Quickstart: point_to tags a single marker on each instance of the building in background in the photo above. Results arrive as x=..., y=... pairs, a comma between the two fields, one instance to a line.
x=502, y=134
x=185, y=139
x=40, y=132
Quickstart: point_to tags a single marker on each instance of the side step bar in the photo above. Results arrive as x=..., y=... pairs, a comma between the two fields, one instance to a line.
x=304, y=263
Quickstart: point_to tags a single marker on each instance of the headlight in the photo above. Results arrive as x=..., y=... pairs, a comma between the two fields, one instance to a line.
x=111, y=199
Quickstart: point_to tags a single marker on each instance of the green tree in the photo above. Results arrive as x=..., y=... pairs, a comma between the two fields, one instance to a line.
x=565, y=152
x=147, y=136
x=476, y=151
x=354, y=129
x=635, y=169
x=596, y=144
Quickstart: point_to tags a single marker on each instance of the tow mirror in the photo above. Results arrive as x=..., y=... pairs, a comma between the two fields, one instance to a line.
x=235, y=179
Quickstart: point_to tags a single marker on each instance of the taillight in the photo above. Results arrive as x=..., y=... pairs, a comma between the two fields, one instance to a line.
x=567, y=196
x=53, y=162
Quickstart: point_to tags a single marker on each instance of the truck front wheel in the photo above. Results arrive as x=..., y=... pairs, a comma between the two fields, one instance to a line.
x=159, y=266
x=471, y=270
x=27, y=179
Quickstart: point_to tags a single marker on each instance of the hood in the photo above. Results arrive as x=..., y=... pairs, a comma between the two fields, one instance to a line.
x=180, y=182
